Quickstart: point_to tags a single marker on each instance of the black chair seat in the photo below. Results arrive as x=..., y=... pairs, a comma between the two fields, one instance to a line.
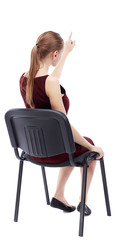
x=79, y=160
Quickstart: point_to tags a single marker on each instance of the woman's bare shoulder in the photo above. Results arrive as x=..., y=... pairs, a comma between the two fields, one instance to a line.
x=50, y=84
x=51, y=78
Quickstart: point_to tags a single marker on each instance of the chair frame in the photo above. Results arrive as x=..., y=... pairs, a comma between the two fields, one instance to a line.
x=87, y=157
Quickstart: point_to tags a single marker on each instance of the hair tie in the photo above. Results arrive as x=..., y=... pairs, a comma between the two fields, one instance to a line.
x=37, y=45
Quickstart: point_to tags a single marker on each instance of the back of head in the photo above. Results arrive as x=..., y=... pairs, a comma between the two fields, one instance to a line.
x=47, y=42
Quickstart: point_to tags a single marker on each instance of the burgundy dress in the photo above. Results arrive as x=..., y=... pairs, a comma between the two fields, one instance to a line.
x=41, y=100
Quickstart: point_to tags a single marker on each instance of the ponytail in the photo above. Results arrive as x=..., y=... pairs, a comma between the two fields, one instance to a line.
x=34, y=67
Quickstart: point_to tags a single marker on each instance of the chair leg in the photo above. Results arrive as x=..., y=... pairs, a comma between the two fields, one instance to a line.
x=45, y=185
x=84, y=182
x=18, y=191
x=105, y=187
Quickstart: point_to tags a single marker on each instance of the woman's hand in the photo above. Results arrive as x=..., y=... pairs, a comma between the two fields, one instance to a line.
x=69, y=45
x=98, y=150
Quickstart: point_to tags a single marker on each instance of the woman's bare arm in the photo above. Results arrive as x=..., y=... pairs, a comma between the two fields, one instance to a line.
x=58, y=69
x=80, y=139
x=69, y=45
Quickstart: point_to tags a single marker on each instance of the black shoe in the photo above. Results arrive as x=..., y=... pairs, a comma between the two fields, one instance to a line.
x=58, y=204
x=87, y=209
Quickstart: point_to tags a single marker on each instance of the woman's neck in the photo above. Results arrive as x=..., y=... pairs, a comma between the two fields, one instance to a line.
x=42, y=72
x=44, y=68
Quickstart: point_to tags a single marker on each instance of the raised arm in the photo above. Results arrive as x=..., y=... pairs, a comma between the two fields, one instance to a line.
x=69, y=45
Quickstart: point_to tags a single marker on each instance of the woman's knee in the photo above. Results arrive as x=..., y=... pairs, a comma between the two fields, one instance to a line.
x=92, y=165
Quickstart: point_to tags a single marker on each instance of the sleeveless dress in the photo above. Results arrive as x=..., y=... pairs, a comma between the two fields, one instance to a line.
x=41, y=100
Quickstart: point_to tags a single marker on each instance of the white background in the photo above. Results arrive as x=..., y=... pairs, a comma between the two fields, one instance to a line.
x=101, y=78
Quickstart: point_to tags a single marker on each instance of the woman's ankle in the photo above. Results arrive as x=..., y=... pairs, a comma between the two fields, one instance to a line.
x=58, y=195
x=61, y=198
x=85, y=200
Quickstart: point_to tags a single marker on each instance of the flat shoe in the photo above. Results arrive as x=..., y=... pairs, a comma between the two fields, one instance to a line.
x=58, y=204
x=87, y=211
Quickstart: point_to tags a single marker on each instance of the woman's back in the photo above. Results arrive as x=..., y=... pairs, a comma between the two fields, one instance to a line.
x=40, y=98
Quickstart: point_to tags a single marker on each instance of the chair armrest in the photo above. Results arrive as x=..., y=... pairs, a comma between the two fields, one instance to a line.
x=92, y=156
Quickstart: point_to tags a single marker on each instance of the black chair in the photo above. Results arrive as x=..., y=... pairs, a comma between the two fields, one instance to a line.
x=45, y=133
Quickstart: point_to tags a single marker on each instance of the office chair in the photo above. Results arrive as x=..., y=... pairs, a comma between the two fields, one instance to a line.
x=45, y=133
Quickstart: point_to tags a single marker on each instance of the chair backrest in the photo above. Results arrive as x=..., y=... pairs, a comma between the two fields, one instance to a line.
x=40, y=132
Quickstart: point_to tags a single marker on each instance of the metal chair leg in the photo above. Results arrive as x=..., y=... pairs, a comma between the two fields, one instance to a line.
x=105, y=186
x=18, y=191
x=45, y=185
x=84, y=182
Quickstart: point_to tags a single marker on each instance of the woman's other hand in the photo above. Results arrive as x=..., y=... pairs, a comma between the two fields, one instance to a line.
x=98, y=150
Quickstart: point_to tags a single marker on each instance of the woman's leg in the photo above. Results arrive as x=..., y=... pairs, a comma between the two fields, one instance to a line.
x=63, y=176
x=90, y=172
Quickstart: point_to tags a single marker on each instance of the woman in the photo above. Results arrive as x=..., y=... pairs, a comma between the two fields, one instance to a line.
x=40, y=90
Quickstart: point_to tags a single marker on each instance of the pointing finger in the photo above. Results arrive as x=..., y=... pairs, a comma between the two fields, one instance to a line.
x=70, y=36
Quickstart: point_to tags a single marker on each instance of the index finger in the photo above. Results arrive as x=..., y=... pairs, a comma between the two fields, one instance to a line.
x=70, y=36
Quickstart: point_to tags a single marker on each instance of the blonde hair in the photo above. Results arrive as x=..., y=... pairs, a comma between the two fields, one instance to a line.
x=46, y=43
